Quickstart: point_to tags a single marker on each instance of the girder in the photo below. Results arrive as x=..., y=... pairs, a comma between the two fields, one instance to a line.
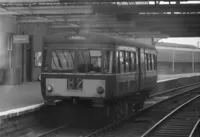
x=115, y=9
x=100, y=9
x=67, y=1
x=94, y=15
x=139, y=19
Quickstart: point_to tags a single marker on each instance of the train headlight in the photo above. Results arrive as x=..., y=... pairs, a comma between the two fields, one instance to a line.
x=50, y=88
x=100, y=90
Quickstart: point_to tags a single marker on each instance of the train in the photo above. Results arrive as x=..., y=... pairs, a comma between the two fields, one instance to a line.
x=98, y=68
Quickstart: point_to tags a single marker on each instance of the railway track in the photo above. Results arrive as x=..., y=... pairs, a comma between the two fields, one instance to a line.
x=67, y=130
x=196, y=130
x=141, y=122
x=179, y=122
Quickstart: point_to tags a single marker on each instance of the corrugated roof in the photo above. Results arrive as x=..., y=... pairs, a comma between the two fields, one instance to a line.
x=176, y=45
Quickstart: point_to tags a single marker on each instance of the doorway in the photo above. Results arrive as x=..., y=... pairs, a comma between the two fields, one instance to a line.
x=27, y=62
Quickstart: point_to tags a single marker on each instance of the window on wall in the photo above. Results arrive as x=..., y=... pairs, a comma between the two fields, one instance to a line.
x=38, y=59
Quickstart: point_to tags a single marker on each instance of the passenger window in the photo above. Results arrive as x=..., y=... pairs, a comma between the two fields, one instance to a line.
x=146, y=61
x=155, y=62
x=121, y=62
x=127, y=62
x=107, y=62
x=150, y=62
x=133, y=62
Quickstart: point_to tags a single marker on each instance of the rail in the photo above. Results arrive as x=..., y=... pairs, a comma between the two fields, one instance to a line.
x=116, y=123
x=153, y=128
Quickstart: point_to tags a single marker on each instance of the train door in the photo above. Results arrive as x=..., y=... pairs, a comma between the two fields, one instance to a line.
x=141, y=68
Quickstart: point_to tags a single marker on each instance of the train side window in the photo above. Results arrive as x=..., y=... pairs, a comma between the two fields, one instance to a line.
x=127, y=61
x=121, y=62
x=117, y=62
x=107, y=61
x=133, y=61
x=155, y=62
x=146, y=61
x=150, y=62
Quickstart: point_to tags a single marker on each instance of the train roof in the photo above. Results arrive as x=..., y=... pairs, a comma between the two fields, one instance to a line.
x=159, y=44
x=92, y=38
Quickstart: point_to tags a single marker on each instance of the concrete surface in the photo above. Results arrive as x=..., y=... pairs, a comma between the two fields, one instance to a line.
x=17, y=96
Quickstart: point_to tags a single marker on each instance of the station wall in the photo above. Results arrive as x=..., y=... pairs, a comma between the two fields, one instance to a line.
x=36, y=31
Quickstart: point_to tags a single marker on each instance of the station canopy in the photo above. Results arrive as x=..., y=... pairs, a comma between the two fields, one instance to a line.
x=175, y=18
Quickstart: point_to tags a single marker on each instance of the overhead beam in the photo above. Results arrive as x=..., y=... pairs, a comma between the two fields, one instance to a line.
x=115, y=9
x=100, y=8
x=50, y=10
x=62, y=1
x=139, y=19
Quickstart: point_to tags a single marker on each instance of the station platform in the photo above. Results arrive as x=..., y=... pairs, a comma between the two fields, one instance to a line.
x=167, y=77
x=27, y=95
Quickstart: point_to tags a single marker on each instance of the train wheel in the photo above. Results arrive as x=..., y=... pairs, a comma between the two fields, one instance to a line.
x=116, y=111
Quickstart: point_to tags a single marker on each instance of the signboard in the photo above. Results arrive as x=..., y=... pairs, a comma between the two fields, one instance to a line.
x=77, y=38
x=20, y=39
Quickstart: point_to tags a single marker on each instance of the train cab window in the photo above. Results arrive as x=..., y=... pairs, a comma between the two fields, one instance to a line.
x=121, y=62
x=94, y=61
x=88, y=61
x=62, y=60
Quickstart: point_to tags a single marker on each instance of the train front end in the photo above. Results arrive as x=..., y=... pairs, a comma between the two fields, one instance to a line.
x=77, y=75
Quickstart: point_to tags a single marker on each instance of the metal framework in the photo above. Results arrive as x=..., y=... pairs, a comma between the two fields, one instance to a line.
x=173, y=17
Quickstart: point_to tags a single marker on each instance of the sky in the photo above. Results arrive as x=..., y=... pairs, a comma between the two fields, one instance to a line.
x=189, y=41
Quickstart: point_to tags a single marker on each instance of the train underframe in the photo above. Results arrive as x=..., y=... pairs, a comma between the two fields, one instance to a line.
x=115, y=108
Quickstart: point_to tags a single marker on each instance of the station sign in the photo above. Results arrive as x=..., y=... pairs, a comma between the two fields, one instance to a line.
x=20, y=39
x=77, y=38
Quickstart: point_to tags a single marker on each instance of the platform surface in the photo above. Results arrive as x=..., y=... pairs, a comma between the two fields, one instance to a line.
x=17, y=96
x=27, y=94
x=164, y=77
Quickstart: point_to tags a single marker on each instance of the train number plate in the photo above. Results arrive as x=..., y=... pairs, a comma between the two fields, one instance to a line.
x=75, y=83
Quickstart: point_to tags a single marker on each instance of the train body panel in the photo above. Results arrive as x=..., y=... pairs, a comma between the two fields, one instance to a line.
x=84, y=87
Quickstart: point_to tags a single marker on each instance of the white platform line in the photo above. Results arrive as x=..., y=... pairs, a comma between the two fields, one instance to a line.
x=186, y=76
x=18, y=111
x=22, y=110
